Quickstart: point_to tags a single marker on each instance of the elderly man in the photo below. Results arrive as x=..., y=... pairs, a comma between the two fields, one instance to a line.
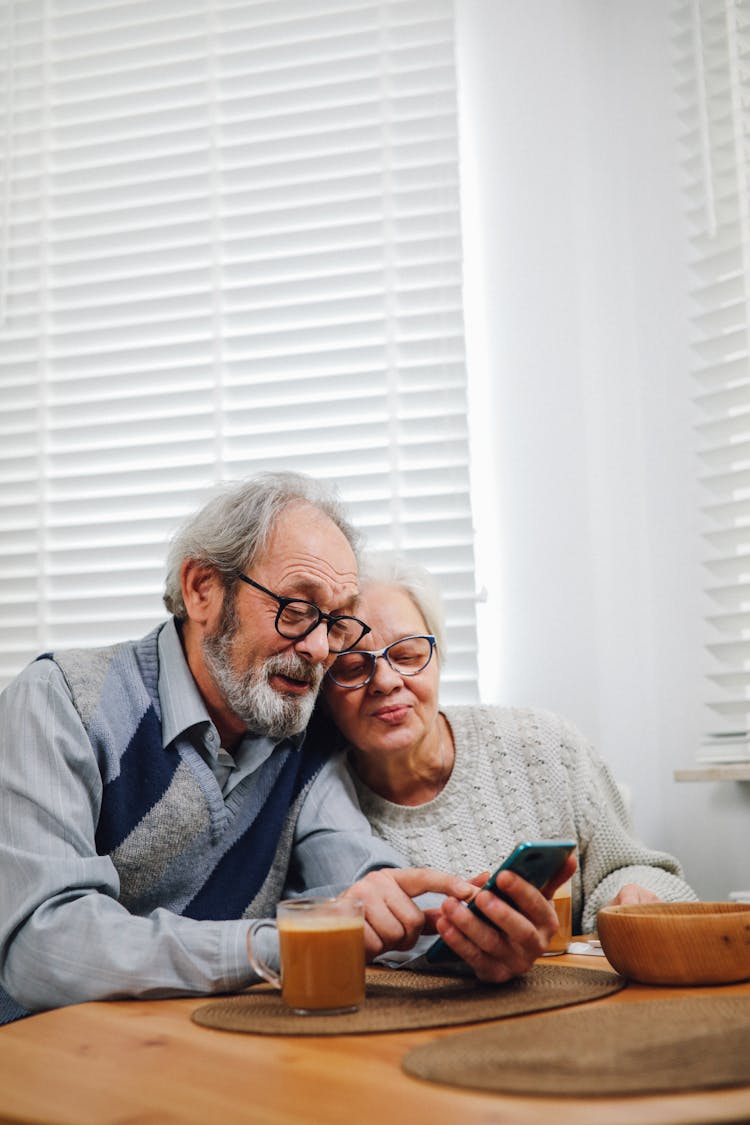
x=158, y=794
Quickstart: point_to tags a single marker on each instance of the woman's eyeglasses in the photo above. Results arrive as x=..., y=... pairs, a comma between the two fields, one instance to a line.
x=407, y=656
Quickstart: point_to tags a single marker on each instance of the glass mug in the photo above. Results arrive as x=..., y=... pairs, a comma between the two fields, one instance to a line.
x=561, y=900
x=322, y=948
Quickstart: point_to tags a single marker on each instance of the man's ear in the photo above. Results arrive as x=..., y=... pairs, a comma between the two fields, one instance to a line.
x=202, y=591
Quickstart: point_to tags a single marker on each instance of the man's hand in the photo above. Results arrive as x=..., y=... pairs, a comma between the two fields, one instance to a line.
x=526, y=930
x=631, y=894
x=392, y=919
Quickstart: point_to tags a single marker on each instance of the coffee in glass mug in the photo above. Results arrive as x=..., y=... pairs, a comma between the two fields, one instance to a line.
x=322, y=951
x=562, y=903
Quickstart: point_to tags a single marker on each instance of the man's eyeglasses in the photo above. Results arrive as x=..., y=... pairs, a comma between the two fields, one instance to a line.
x=407, y=656
x=296, y=618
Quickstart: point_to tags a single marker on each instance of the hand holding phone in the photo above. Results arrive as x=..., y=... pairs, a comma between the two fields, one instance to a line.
x=537, y=862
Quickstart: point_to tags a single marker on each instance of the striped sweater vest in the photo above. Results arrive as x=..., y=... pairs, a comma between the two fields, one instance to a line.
x=163, y=821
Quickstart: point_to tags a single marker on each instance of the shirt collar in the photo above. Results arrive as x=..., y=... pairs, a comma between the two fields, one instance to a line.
x=182, y=705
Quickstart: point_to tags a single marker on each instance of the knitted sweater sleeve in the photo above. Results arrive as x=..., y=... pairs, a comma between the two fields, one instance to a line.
x=610, y=855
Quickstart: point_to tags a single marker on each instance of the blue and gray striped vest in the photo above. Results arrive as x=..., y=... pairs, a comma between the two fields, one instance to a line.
x=174, y=840
x=163, y=821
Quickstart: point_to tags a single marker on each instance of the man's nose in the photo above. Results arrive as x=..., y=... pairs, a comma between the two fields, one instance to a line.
x=314, y=647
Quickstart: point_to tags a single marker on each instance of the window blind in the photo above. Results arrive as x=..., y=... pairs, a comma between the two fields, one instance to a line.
x=712, y=43
x=230, y=242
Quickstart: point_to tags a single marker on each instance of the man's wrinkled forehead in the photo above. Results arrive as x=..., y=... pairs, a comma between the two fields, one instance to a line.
x=307, y=553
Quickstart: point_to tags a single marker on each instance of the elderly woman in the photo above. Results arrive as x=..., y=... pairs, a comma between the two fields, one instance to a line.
x=457, y=787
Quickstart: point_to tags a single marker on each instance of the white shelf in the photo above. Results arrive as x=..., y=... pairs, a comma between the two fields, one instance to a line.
x=739, y=771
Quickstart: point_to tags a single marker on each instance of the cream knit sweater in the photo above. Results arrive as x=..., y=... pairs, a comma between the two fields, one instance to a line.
x=525, y=775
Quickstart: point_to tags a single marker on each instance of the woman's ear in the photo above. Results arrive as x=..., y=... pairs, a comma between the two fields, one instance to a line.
x=202, y=591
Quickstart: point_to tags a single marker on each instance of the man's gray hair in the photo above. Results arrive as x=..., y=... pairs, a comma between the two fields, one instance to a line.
x=233, y=528
x=391, y=569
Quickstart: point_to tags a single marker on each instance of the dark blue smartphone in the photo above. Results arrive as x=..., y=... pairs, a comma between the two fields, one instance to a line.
x=535, y=861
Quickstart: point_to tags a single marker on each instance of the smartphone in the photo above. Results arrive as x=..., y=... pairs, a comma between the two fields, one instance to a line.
x=535, y=861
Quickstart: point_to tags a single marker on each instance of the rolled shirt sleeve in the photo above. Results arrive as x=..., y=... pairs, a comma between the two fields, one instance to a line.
x=334, y=845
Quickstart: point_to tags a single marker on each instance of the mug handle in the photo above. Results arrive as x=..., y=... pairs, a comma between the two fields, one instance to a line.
x=261, y=968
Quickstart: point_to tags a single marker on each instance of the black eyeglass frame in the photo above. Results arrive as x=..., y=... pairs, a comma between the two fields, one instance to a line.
x=375, y=655
x=330, y=618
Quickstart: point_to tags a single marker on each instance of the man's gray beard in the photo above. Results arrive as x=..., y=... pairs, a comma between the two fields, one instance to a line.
x=249, y=694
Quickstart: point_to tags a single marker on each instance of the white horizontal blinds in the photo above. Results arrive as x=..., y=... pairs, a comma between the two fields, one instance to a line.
x=714, y=48
x=22, y=371
x=342, y=318
x=118, y=298
x=253, y=261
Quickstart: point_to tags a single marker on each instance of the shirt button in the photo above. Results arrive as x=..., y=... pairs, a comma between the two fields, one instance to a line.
x=212, y=738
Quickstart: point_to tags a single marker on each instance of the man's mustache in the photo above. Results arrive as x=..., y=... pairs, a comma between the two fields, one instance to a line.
x=295, y=668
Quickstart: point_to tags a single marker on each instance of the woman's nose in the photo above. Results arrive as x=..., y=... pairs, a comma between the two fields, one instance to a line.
x=384, y=678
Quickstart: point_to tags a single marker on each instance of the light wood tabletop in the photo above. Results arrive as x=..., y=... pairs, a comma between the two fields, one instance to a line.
x=146, y=1062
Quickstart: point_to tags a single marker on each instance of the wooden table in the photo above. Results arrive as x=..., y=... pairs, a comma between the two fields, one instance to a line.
x=146, y=1062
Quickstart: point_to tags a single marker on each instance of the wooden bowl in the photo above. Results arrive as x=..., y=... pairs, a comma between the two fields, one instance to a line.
x=678, y=942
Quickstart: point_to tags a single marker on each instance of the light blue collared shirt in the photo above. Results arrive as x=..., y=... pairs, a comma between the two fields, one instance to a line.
x=64, y=936
x=184, y=714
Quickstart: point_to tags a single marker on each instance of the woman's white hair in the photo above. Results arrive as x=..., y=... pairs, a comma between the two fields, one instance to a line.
x=391, y=569
x=234, y=527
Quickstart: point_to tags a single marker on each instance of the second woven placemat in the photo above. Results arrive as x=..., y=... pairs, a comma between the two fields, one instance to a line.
x=401, y=1000
x=644, y=1047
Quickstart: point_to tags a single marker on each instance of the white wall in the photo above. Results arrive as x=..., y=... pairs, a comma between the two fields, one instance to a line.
x=587, y=512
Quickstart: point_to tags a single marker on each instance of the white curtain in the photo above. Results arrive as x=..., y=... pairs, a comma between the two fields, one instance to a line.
x=713, y=68
x=230, y=242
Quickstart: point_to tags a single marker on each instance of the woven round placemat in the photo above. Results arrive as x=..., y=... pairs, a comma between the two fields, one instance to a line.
x=400, y=1000
x=655, y=1046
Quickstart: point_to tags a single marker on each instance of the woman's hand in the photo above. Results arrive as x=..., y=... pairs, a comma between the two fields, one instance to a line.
x=631, y=894
x=523, y=932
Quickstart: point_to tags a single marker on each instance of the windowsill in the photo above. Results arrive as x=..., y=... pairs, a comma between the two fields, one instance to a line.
x=737, y=771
